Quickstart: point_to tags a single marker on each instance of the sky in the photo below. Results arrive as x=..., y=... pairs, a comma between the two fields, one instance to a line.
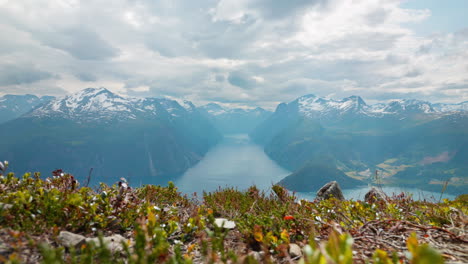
x=237, y=52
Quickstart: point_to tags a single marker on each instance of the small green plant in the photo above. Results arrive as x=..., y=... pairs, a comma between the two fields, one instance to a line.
x=163, y=226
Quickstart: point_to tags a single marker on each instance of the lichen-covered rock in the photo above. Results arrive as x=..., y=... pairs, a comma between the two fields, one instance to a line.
x=295, y=251
x=69, y=240
x=329, y=190
x=113, y=243
x=374, y=195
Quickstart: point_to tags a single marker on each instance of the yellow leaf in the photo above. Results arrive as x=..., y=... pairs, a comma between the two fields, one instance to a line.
x=412, y=243
x=258, y=234
x=190, y=248
x=285, y=236
x=151, y=218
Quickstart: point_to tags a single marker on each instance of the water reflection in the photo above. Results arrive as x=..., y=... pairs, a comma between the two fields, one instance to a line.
x=235, y=162
x=239, y=163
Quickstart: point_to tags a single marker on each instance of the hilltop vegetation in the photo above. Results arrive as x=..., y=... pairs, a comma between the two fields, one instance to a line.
x=162, y=226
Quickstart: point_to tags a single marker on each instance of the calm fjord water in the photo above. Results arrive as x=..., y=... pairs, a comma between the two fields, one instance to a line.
x=240, y=163
x=235, y=162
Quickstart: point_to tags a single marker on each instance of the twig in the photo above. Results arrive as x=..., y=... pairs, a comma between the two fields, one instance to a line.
x=89, y=177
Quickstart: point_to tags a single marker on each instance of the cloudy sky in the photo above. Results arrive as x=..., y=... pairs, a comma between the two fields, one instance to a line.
x=240, y=52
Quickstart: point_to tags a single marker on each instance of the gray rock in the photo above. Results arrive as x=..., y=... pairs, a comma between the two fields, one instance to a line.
x=113, y=243
x=224, y=223
x=329, y=190
x=295, y=251
x=256, y=255
x=374, y=195
x=5, y=250
x=4, y=206
x=68, y=239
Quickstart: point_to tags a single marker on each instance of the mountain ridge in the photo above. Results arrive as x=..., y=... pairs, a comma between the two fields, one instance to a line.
x=394, y=139
x=153, y=139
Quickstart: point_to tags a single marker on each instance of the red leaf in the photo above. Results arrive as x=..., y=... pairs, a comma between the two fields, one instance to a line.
x=288, y=217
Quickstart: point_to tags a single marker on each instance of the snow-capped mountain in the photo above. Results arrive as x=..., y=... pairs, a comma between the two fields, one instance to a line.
x=99, y=104
x=216, y=110
x=411, y=106
x=13, y=106
x=441, y=107
x=87, y=104
x=213, y=109
x=150, y=138
x=350, y=113
x=316, y=107
x=313, y=106
x=322, y=139
x=234, y=120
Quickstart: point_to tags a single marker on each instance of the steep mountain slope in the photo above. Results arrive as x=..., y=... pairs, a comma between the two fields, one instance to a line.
x=234, y=120
x=400, y=140
x=451, y=107
x=147, y=140
x=322, y=171
x=13, y=106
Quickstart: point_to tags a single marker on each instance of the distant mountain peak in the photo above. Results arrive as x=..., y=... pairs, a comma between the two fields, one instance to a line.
x=442, y=107
x=355, y=98
x=313, y=106
x=13, y=106
x=100, y=104
x=409, y=106
x=216, y=110
x=308, y=96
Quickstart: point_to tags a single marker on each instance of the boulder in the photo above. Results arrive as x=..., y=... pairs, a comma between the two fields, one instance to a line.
x=329, y=190
x=69, y=240
x=113, y=243
x=374, y=195
x=295, y=251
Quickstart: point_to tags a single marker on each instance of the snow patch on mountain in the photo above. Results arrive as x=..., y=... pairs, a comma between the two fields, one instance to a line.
x=101, y=104
x=218, y=110
x=313, y=106
x=441, y=107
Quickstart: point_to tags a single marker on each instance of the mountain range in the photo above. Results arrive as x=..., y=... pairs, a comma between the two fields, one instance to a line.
x=145, y=140
x=404, y=142
x=152, y=140
x=13, y=106
x=234, y=120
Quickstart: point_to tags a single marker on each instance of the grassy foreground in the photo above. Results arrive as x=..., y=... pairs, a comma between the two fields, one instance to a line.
x=162, y=226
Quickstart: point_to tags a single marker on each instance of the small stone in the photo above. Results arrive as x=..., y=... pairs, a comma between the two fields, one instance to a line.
x=329, y=190
x=113, y=243
x=224, y=223
x=5, y=250
x=295, y=250
x=69, y=240
x=256, y=255
x=374, y=195
x=4, y=206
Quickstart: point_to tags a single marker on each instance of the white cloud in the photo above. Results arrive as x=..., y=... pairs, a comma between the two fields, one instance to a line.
x=252, y=52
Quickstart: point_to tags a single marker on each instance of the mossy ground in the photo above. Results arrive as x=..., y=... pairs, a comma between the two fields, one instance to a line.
x=163, y=226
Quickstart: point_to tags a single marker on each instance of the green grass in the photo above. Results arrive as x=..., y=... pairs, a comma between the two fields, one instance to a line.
x=167, y=227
